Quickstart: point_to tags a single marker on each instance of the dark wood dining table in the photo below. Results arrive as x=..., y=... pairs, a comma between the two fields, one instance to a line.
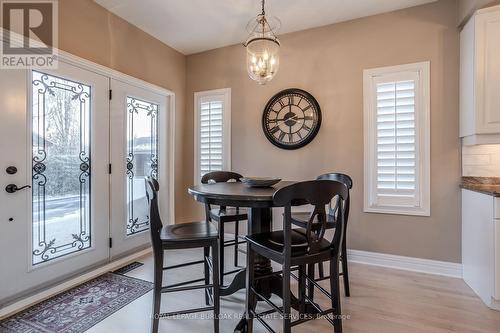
x=259, y=202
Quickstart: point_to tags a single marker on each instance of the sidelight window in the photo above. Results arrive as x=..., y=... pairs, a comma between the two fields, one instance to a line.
x=141, y=160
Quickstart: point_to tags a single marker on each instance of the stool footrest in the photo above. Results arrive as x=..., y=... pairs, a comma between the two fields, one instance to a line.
x=320, y=312
x=303, y=320
x=265, y=313
x=232, y=243
x=233, y=271
x=262, y=321
x=177, y=289
x=320, y=288
x=184, y=283
x=271, y=304
x=184, y=265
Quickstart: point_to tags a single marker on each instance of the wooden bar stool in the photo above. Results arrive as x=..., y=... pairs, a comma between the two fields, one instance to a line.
x=223, y=215
x=182, y=236
x=300, y=219
x=291, y=248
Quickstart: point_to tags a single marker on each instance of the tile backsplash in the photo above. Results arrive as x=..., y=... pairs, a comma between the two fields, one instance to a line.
x=481, y=161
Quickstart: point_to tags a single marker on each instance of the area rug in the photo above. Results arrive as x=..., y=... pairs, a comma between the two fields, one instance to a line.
x=80, y=308
x=127, y=268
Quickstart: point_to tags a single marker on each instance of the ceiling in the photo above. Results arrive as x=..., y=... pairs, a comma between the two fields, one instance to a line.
x=192, y=26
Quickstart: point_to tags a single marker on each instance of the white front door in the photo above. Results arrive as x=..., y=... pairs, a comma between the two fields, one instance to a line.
x=54, y=129
x=139, y=148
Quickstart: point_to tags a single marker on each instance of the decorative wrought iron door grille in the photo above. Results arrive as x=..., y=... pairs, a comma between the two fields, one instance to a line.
x=141, y=161
x=61, y=134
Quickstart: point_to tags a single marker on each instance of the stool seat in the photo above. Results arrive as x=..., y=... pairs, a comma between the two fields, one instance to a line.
x=274, y=242
x=185, y=232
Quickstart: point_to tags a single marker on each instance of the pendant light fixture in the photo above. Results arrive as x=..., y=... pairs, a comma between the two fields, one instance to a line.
x=262, y=47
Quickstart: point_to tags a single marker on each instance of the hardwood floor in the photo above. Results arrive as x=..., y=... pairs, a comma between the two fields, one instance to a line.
x=382, y=301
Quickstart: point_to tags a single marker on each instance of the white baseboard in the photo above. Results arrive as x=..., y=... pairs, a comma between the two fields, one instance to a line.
x=406, y=263
x=43, y=295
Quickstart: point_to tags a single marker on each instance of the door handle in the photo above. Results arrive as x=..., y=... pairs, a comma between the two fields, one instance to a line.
x=12, y=188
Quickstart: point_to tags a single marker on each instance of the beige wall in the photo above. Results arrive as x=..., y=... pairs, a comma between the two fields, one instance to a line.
x=467, y=7
x=91, y=32
x=328, y=62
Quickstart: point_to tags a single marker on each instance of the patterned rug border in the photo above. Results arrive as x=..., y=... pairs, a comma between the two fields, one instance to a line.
x=128, y=268
x=84, y=323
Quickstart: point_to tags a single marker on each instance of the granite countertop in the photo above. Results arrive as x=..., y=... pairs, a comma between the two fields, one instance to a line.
x=486, y=185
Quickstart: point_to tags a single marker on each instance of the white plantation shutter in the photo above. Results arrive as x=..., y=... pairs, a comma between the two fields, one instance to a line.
x=396, y=140
x=212, y=132
x=210, y=144
x=396, y=166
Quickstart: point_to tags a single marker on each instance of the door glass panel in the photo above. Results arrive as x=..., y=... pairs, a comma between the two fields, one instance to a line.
x=142, y=160
x=61, y=167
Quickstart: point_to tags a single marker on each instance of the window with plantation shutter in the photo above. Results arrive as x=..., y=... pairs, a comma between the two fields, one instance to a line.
x=396, y=116
x=212, y=131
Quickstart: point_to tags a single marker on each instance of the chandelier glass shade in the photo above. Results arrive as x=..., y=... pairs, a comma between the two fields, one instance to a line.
x=263, y=48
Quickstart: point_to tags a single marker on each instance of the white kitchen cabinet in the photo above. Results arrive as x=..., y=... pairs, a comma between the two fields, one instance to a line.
x=480, y=78
x=481, y=245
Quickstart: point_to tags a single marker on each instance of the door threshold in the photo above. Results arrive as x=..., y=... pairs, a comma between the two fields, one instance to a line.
x=61, y=287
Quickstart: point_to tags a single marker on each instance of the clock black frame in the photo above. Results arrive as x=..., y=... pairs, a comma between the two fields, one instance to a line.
x=314, y=131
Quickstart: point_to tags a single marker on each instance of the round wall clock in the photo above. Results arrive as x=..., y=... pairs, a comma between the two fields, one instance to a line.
x=291, y=119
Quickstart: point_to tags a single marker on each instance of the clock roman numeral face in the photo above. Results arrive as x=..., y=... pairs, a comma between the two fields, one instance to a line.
x=291, y=119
